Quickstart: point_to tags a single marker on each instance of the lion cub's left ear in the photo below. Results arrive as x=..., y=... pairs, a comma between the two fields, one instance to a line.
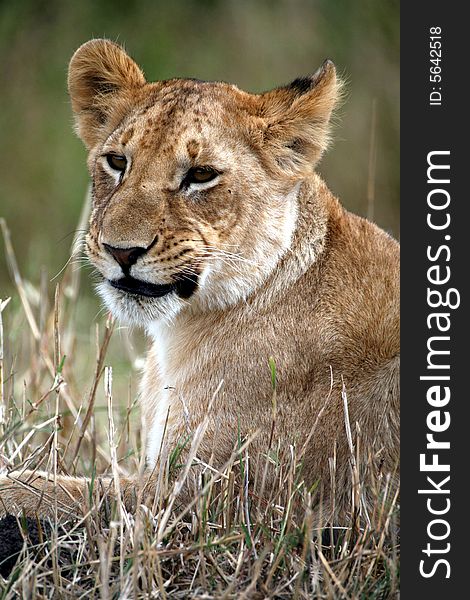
x=296, y=120
x=102, y=78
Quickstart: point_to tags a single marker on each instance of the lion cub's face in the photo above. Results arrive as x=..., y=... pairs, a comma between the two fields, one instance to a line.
x=194, y=183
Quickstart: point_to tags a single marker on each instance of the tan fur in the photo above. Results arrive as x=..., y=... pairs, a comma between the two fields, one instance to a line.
x=284, y=271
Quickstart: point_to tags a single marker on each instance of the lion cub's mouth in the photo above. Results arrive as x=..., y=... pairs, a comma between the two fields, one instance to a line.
x=185, y=286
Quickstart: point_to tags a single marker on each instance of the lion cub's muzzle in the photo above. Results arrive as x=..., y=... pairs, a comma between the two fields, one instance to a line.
x=126, y=257
x=184, y=284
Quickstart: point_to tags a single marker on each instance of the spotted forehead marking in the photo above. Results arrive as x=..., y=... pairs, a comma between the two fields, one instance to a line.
x=127, y=135
x=173, y=108
x=193, y=148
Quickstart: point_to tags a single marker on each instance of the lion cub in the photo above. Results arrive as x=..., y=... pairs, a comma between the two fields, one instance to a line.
x=211, y=230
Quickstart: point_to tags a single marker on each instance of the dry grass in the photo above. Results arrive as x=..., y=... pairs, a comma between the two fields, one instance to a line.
x=225, y=543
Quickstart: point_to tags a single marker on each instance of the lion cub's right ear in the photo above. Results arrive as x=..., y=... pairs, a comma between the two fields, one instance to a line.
x=100, y=82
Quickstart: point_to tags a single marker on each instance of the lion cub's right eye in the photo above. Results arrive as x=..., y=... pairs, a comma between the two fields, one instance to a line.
x=116, y=162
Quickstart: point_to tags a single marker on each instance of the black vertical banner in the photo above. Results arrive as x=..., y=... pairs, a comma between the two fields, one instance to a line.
x=435, y=431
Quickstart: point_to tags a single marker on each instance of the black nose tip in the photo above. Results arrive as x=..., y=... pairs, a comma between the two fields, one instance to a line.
x=125, y=257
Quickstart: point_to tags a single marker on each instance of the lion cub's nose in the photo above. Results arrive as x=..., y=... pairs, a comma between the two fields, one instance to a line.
x=125, y=257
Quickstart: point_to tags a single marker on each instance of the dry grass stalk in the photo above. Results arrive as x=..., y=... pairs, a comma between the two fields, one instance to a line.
x=372, y=162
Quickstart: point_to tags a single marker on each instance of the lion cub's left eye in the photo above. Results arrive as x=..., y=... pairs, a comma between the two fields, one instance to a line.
x=199, y=175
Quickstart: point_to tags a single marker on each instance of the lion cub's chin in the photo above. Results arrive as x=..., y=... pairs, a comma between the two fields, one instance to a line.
x=140, y=311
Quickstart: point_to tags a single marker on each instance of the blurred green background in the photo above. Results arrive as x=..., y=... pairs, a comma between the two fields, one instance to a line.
x=255, y=44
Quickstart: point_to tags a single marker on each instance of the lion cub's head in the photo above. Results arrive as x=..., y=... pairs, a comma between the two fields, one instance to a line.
x=195, y=183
